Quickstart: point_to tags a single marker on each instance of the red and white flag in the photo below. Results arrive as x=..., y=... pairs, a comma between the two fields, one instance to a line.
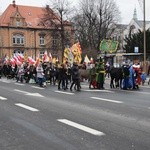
x=31, y=60
x=20, y=57
x=45, y=56
x=12, y=61
x=17, y=60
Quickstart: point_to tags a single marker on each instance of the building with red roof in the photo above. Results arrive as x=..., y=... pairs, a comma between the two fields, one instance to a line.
x=23, y=30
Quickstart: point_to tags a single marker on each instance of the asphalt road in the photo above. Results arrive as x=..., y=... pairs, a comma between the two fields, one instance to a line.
x=34, y=118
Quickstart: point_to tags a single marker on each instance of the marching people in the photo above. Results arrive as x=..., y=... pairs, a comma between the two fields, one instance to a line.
x=107, y=70
x=40, y=74
x=47, y=72
x=32, y=74
x=20, y=73
x=138, y=72
x=131, y=74
x=75, y=76
x=132, y=84
x=100, y=74
x=68, y=67
x=126, y=75
x=27, y=73
x=92, y=76
x=62, y=77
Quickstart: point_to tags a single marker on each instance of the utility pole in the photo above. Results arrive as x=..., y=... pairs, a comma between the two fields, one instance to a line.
x=144, y=31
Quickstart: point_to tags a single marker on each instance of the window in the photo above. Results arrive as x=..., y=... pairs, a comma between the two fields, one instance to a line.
x=18, y=51
x=18, y=39
x=41, y=54
x=17, y=23
x=54, y=42
x=42, y=40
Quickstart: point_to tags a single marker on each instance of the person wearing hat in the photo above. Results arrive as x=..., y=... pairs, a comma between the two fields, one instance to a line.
x=100, y=74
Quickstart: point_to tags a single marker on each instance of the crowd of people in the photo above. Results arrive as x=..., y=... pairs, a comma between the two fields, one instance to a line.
x=44, y=72
x=65, y=74
x=132, y=75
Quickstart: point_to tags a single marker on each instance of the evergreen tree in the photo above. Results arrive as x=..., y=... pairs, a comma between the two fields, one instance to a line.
x=137, y=40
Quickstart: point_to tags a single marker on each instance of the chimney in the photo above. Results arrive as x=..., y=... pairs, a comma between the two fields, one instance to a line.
x=14, y=3
x=47, y=6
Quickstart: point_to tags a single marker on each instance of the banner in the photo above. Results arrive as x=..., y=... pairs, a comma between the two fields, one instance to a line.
x=77, y=51
x=108, y=46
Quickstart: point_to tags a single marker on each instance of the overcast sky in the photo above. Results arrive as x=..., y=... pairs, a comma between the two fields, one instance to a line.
x=126, y=7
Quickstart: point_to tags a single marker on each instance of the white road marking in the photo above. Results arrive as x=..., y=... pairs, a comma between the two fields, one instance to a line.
x=26, y=107
x=64, y=92
x=96, y=90
x=3, y=98
x=29, y=94
x=35, y=94
x=107, y=100
x=20, y=84
x=137, y=92
x=81, y=127
x=21, y=91
x=5, y=81
x=36, y=87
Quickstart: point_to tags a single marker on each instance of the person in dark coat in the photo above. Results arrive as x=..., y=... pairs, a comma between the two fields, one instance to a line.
x=126, y=75
x=62, y=77
x=75, y=76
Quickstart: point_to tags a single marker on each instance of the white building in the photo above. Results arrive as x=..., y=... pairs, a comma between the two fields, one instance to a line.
x=121, y=31
x=135, y=25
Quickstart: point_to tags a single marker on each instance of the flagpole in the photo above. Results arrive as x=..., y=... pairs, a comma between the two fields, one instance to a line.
x=144, y=31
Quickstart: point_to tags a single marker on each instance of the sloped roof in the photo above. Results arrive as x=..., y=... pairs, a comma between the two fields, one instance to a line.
x=141, y=22
x=121, y=26
x=31, y=14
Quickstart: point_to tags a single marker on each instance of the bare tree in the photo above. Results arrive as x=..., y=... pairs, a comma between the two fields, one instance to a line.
x=57, y=17
x=94, y=21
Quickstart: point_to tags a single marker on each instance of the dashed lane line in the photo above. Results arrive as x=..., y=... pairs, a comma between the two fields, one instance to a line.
x=81, y=127
x=20, y=84
x=36, y=87
x=107, y=100
x=29, y=94
x=142, y=92
x=68, y=93
x=26, y=107
x=96, y=90
x=3, y=98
